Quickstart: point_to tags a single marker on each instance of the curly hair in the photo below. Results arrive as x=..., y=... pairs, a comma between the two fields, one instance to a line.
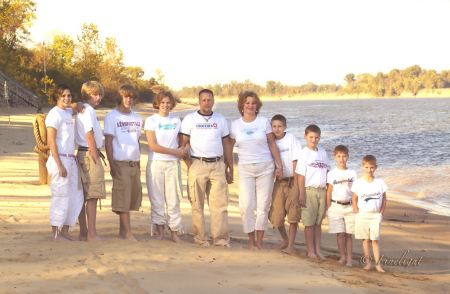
x=242, y=98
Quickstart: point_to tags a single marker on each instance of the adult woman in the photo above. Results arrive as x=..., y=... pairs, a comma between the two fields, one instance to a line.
x=163, y=167
x=66, y=198
x=257, y=150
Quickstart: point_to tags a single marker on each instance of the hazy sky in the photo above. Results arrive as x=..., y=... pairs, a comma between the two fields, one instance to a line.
x=294, y=42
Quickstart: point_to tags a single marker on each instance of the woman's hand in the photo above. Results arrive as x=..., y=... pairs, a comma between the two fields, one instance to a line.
x=62, y=170
x=181, y=152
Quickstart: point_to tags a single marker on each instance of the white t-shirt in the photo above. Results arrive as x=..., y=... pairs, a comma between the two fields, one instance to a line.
x=166, y=132
x=251, y=138
x=313, y=165
x=61, y=120
x=289, y=147
x=126, y=129
x=370, y=195
x=86, y=122
x=206, y=133
x=342, y=181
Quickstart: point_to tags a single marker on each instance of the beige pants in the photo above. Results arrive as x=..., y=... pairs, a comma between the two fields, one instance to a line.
x=208, y=179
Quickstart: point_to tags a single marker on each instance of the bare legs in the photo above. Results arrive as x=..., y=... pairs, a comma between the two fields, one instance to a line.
x=287, y=246
x=89, y=231
x=376, y=254
x=345, y=246
x=313, y=235
x=63, y=235
x=125, y=227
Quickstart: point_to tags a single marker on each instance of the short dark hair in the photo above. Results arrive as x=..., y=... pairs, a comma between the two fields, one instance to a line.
x=312, y=128
x=369, y=159
x=280, y=118
x=340, y=148
x=205, y=91
x=160, y=96
x=59, y=90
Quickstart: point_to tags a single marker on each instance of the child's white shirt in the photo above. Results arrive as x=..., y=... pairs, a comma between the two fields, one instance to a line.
x=342, y=181
x=86, y=122
x=125, y=128
x=313, y=165
x=370, y=195
x=251, y=138
x=166, y=132
x=61, y=120
x=289, y=147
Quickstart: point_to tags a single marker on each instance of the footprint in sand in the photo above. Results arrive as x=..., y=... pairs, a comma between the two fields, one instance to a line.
x=252, y=287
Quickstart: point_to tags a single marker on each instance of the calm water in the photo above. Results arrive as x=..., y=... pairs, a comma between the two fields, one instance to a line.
x=409, y=137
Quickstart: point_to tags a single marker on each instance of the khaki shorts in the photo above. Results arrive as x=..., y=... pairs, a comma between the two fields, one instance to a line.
x=368, y=225
x=341, y=218
x=91, y=176
x=284, y=202
x=316, y=205
x=127, y=188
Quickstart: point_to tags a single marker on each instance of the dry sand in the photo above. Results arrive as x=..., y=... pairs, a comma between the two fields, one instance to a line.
x=32, y=263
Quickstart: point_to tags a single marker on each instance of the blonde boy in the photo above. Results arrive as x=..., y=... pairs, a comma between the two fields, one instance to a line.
x=123, y=129
x=285, y=191
x=311, y=170
x=341, y=217
x=369, y=202
x=89, y=138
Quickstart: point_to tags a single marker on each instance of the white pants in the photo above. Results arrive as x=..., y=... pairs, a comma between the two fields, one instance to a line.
x=255, y=192
x=163, y=186
x=66, y=198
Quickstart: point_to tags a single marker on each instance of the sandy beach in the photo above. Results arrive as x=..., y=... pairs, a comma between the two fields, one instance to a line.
x=415, y=243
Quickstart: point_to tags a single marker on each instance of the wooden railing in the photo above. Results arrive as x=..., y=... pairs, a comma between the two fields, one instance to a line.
x=18, y=94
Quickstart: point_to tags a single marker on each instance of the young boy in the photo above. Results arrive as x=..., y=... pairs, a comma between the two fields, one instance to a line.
x=341, y=217
x=122, y=133
x=285, y=191
x=89, y=138
x=369, y=202
x=311, y=170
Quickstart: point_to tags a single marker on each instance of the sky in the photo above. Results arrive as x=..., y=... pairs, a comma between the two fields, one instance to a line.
x=293, y=42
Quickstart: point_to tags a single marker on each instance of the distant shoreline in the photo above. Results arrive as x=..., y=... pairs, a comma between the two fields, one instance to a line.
x=425, y=93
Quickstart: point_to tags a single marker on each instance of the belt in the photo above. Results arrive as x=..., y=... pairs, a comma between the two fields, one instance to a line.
x=68, y=155
x=126, y=163
x=341, y=202
x=290, y=180
x=82, y=148
x=207, y=159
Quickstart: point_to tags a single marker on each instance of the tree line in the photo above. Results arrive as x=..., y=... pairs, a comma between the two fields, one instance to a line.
x=396, y=82
x=68, y=60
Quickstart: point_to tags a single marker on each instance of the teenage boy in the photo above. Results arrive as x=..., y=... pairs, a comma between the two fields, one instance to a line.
x=311, y=170
x=122, y=133
x=285, y=191
x=341, y=217
x=369, y=202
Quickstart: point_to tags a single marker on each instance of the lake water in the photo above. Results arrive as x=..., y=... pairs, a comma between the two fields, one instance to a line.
x=409, y=137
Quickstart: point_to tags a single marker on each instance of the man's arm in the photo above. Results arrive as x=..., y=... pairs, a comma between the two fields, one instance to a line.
x=275, y=154
x=228, y=158
x=109, y=155
x=329, y=192
x=185, y=144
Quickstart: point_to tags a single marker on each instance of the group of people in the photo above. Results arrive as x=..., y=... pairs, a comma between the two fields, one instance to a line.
x=277, y=178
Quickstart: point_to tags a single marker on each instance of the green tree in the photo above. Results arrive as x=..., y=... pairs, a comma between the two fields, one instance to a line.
x=16, y=17
x=90, y=54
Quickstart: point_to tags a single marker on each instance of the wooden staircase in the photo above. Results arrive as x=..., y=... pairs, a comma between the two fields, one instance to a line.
x=19, y=95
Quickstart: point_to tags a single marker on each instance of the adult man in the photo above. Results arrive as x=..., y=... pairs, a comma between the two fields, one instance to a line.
x=210, y=167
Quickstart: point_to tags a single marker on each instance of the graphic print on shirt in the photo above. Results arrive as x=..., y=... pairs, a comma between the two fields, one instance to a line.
x=318, y=164
x=373, y=196
x=206, y=126
x=344, y=182
x=167, y=126
x=283, y=149
x=129, y=126
x=249, y=131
